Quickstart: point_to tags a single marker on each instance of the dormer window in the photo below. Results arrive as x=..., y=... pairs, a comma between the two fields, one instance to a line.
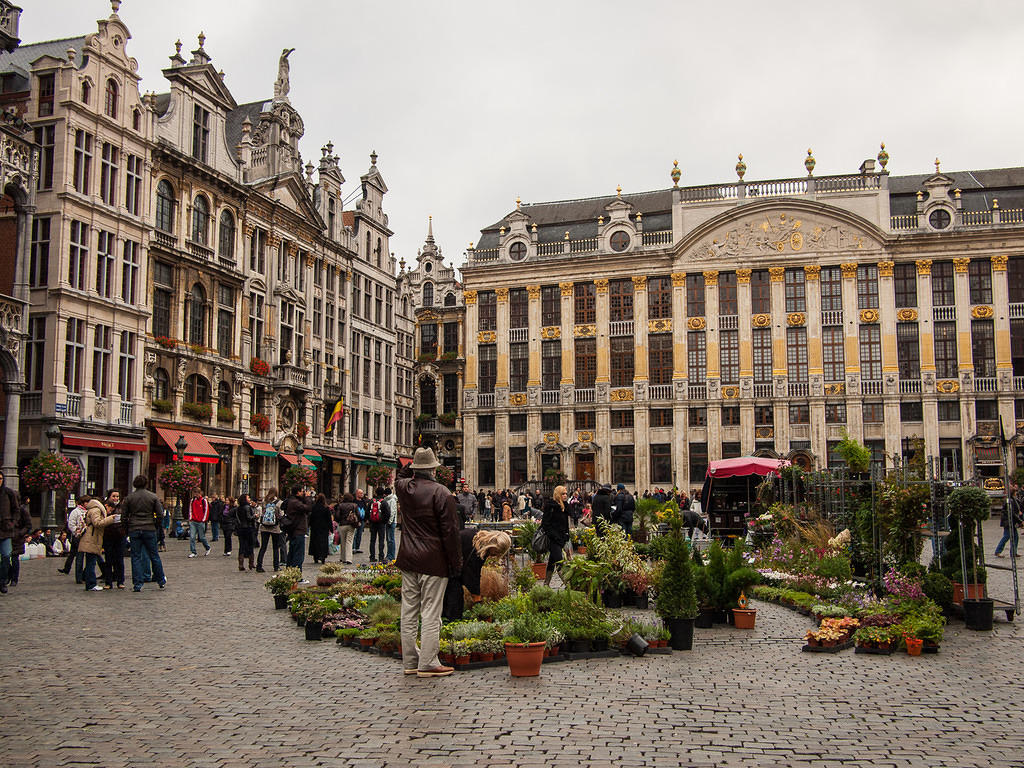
x=136, y=120
x=517, y=251
x=200, y=133
x=428, y=294
x=86, y=91
x=46, y=91
x=939, y=218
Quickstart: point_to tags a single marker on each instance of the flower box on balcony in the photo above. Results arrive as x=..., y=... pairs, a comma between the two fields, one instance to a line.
x=260, y=422
x=200, y=411
x=449, y=355
x=165, y=341
x=423, y=418
x=225, y=414
x=448, y=419
x=259, y=367
x=162, y=406
x=427, y=357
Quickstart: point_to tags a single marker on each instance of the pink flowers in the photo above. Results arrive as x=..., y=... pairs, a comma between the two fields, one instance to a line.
x=181, y=478
x=898, y=585
x=51, y=472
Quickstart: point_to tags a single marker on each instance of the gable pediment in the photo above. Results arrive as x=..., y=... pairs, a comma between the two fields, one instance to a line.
x=291, y=194
x=204, y=78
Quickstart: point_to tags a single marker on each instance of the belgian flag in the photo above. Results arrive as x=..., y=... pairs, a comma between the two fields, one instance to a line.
x=336, y=414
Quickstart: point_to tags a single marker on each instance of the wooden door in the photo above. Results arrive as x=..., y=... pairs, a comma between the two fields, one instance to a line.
x=585, y=466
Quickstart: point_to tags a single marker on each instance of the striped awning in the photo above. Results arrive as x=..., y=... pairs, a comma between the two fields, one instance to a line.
x=291, y=458
x=313, y=455
x=259, y=448
x=197, y=447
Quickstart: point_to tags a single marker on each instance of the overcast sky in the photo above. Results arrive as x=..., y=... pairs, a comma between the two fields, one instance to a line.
x=470, y=104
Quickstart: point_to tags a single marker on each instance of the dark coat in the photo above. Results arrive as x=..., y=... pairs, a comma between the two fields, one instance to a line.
x=9, y=512
x=141, y=510
x=601, y=506
x=555, y=524
x=243, y=517
x=430, y=528
x=341, y=512
x=319, y=530
x=298, y=511
x=625, y=504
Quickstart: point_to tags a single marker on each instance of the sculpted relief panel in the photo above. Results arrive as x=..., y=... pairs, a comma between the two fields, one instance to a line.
x=772, y=234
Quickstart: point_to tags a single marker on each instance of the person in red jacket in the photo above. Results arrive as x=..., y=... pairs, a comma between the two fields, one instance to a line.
x=198, y=515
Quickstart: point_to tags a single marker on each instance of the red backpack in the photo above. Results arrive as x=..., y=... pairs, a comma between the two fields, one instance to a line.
x=375, y=511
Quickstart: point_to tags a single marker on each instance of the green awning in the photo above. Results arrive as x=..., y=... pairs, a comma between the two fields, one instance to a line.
x=313, y=455
x=260, y=448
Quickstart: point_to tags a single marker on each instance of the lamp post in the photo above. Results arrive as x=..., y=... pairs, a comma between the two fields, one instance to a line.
x=53, y=436
x=299, y=450
x=179, y=446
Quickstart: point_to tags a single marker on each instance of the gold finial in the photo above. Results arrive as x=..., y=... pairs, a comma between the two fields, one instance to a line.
x=600, y=220
x=937, y=165
x=502, y=230
x=741, y=167
x=883, y=156
x=618, y=191
x=177, y=45
x=518, y=202
x=471, y=245
x=809, y=162
x=676, y=173
x=533, y=228
x=567, y=234
x=995, y=203
x=956, y=193
x=202, y=39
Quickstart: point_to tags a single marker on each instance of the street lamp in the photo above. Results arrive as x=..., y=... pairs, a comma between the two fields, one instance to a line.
x=179, y=446
x=53, y=436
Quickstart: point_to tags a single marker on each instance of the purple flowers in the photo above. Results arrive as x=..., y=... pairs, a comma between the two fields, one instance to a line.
x=898, y=585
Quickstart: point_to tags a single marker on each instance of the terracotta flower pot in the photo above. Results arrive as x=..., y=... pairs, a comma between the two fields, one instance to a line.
x=462, y=659
x=524, y=660
x=486, y=657
x=540, y=570
x=743, y=618
x=914, y=646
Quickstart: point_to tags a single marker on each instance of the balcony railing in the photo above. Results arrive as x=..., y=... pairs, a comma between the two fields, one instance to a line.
x=870, y=387
x=127, y=416
x=940, y=314
x=74, y=405
x=798, y=389
x=429, y=425
x=486, y=400
x=728, y=322
x=697, y=392
x=763, y=391
x=975, y=218
x=199, y=251
x=910, y=386
x=165, y=238
x=832, y=317
x=518, y=334
x=585, y=395
x=664, y=237
x=1018, y=384
x=550, y=397
x=985, y=384
x=903, y=222
x=32, y=404
x=660, y=391
x=1017, y=311
x=620, y=328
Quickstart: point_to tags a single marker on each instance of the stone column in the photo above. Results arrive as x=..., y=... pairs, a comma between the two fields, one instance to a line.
x=681, y=450
x=641, y=412
x=714, y=367
x=568, y=340
x=13, y=390
x=534, y=319
x=640, y=372
x=926, y=337
x=1004, y=366
x=501, y=468
x=746, y=336
x=890, y=356
x=854, y=411
x=962, y=289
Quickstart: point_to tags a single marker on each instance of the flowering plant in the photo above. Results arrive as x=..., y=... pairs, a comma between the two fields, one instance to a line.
x=180, y=477
x=51, y=472
x=260, y=422
x=259, y=367
x=302, y=429
x=378, y=475
x=296, y=475
x=445, y=475
x=902, y=586
x=166, y=342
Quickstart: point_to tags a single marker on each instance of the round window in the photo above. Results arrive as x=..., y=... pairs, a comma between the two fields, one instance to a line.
x=619, y=241
x=517, y=251
x=427, y=267
x=939, y=218
x=449, y=445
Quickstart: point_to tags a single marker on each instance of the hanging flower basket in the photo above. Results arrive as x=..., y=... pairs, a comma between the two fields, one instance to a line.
x=378, y=475
x=296, y=475
x=260, y=422
x=51, y=472
x=180, y=478
x=302, y=429
x=259, y=367
x=445, y=475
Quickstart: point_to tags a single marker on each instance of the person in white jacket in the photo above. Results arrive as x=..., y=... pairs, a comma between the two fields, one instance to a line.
x=392, y=501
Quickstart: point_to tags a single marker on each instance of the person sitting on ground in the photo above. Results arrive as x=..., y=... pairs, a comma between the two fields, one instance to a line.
x=61, y=546
x=477, y=546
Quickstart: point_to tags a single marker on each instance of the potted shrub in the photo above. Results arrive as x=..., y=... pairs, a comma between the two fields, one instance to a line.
x=739, y=578
x=645, y=518
x=677, y=596
x=968, y=506
x=259, y=367
x=524, y=539
x=51, y=472
x=638, y=582
x=280, y=585
x=379, y=475
x=315, y=613
x=524, y=645
x=345, y=635
x=225, y=414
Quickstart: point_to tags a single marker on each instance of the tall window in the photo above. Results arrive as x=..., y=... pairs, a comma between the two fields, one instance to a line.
x=518, y=308
x=78, y=255
x=584, y=303
x=126, y=366
x=451, y=337
x=200, y=220
x=101, y=347
x=45, y=138
x=695, y=295
x=197, y=315
x=35, y=353
x=86, y=92
x=870, y=353
x=550, y=305
x=621, y=359
x=620, y=300
x=518, y=366
x=833, y=353
x=831, y=279
x=697, y=356
x=108, y=173
x=226, y=241
x=162, y=385
x=762, y=349
x=165, y=206
x=659, y=298
x=796, y=354
x=46, y=93
x=83, y=162
x=488, y=367
x=908, y=351
x=488, y=313
x=945, y=350
x=796, y=290
x=39, y=254
x=197, y=389
x=760, y=292
x=110, y=99
x=586, y=363
x=551, y=364
x=225, y=320
x=623, y=464
x=105, y=264
x=659, y=358
x=258, y=251
x=979, y=277
x=867, y=286
x=727, y=304
x=943, y=291
x=223, y=395
x=200, y=133
x=428, y=339
x=163, y=287
x=74, y=354
x=133, y=184
x=729, y=342
x=905, y=284
x=428, y=294
x=983, y=348
x=451, y=393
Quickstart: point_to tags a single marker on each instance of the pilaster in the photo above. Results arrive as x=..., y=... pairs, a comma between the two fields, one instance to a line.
x=640, y=361
x=678, y=329
x=602, y=316
x=472, y=323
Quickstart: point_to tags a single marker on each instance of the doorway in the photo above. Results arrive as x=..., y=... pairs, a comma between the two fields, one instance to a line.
x=585, y=466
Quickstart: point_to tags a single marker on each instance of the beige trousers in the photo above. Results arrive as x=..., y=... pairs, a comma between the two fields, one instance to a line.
x=422, y=601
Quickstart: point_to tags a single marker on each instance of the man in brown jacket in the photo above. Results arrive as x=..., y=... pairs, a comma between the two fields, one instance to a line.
x=429, y=552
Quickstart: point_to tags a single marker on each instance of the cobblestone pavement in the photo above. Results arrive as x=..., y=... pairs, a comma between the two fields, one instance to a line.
x=207, y=673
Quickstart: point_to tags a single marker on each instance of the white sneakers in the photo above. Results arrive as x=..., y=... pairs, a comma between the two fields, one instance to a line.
x=192, y=554
x=209, y=549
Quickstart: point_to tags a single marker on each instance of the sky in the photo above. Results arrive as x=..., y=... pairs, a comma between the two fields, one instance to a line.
x=471, y=104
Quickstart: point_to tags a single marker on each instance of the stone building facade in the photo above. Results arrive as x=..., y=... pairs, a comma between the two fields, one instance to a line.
x=634, y=338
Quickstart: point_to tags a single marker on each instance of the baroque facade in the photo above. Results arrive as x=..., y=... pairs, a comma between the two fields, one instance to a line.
x=662, y=330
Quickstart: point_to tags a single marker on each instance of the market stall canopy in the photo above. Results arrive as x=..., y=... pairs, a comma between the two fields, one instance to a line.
x=745, y=465
x=197, y=447
x=313, y=455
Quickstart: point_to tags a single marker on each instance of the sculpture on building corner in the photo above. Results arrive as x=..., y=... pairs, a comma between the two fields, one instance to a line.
x=281, y=85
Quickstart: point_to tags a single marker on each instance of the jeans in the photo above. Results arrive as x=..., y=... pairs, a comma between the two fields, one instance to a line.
x=423, y=599
x=197, y=532
x=391, y=540
x=377, y=541
x=265, y=538
x=5, y=560
x=1007, y=533
x=144, y=545
x=358, y=540
x=215, y=528
x=296, y=551
x=91, y=561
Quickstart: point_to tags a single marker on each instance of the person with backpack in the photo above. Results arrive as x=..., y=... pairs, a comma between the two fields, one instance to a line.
x=347, y=517
x=243, y=520
x=295, y=526
x=378, y=518
x=625, y=505
x=270, y=530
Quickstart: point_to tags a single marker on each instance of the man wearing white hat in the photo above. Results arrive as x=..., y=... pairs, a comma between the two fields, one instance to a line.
x=427, y=554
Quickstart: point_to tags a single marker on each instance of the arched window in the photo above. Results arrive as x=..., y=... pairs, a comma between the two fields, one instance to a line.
x=86, y=90
x=226, y=249
x=428, y=294
x=405, y=307
x=449, y=299
x=223, y=395
x=377, y=251
x=200, y=220
x=136, y=120
x=165, y=206
x=110, y=101
x=197, y=315
x=197, y=389
x=161, y=385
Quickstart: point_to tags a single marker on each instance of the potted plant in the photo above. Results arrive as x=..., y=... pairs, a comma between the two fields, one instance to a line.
x=259, y=367
x=163, y=406
x=301, y=429
x=260, y=422
x=345, y=635
x=315, y=613
x=739, y=578
x=448, y=418
x=445, y=475
x=524, y=539
x=379, y=475
x=638, y=582
x=524, y=645
x=677, y=596
x=280, y=585
x=165, y=341
x=298, y=475
x=225, y=414
x=645, y=518
x=51, y=472
x=968, y=506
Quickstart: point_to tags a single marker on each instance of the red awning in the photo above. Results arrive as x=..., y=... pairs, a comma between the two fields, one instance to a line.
x=259, y=448
x=404, y=461
x=313, y=455
x=197, y=447
x=745, y=465
x=85, y=440
x=291, y=458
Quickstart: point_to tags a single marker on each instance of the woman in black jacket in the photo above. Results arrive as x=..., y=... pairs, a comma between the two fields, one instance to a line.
x=556, y=526
x=319, y=529
x=243, y=518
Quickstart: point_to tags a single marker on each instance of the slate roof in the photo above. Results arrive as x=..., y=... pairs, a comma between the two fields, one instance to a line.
x=977, y=189
x=237, y=116
x=19, y=61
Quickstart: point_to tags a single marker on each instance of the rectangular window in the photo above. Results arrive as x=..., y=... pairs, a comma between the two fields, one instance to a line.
x=485, y=466
x=621, y=360
x=428, y=339
x=551, y=364
x=517, y=469
x=584, y=303
x=731, y=416
x=697, y=357
x=867, y=286
x=1015, y=278
x=39, y=254
x=661, y=417
x=764, y=415
x=761, y=339
x=831, y=279
x=83, y=162
x=622, y=419
x=698, y=462
x=35, y=353
x=986, y=410
x=45, y=138
x=518, y=366
x=104, y=264
x=835, y=413
x=225, y=332
x=488, y=367
x=731, y=450
x=329, y=321
x=697, y=417
x=908, y=351
x=620, y=300
x=796, y=354
x=833, y=353
x=485, y=424
x=905, y=284
x=911, y=411
x=585, y=420
x=451, y=338
x=126, y=366
x=661, y=463
x=949, y=410
x=874, y=413
x=979, y=277
x=258, y=251
x=945, y=350
x=586, y=363
x=870, y=353
x=74, y=354
x=796, y=290
x=695, y=295
x=108, y=174
x=129, y=271
x=659, y=298
x=101, y=347
x=623, y=464
x=760, y=292
x=943, y=290
x=729, y=342
x=727, y=302
x=200, y=133
x=46, y=93
x=983, y=348
x=550, y=305
x=366, y=425
x=518, y=308
x=488, y=313
x=550, y=421
x=78, y=255
x=659, y=358
x=799, y=413
x=318, y=316
x=517, y=422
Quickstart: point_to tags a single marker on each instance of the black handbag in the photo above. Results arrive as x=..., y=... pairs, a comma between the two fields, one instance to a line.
x=540, y=541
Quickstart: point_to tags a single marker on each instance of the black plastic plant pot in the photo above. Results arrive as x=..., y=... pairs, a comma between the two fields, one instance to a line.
x=314, y=630
x=704, y=620
x=612, y=598
x=978, y=613
x=636, y=645
x=280, y=601
x=681, y=631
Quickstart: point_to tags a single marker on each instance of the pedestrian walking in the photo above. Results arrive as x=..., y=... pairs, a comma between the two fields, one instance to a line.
x=362, y=507
x=270, y=530
x=295, y=526
x=198, y=516
x=1011, y=519
x=227, y=524
x=142, y=516
x=555, y=525
x=319, y=529
x=243, y=523
x=10, y=512
x=96, y=520
x=347, y=517
x=21, y=538
x=392, y=500
x=378, y=518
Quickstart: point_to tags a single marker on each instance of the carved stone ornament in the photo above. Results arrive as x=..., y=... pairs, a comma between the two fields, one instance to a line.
x=99, y=409
x=639, y=282
x=678, y=279
x=811, y=271
x=696, y=324
x=760, y=321
x=869, y=315
x=566, y=288
x=981, y=313
x=551, y=332
x=663, y=325
x=585, y=437
x=778, y=274
x=796, y=318
x=885, y=268
x=835, y=388
x=710, y=278
x=849, y=270
x=947, y=386
x=469, y=297
x=469, y=398
x=601, y=284
x=906, y=315
x=486, y=337
x=584, y=331
x=743, y=275
x=533, y=291
x=764, y=433
x=551, y=438
x=961, y=264
x=924, y=266
x=501, y=294
x=621, y=395
x=765, y=235
x=182, y=364
x=730, y=393
x=517, y=398
x=999, y=263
